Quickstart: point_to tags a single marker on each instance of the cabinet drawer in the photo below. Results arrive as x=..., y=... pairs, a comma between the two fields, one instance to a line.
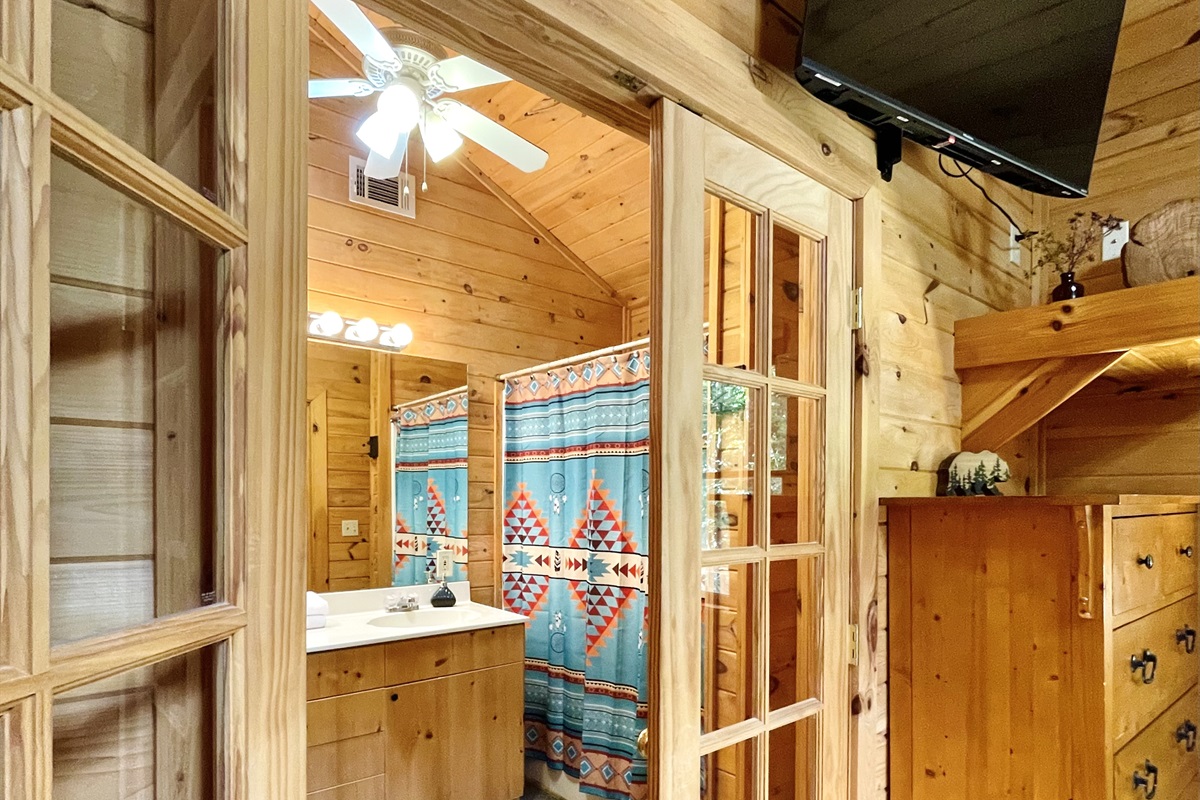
x=451, y=653
x=352, y=669
x=1135, y=702
x=1160, y=746
x=1151, y=563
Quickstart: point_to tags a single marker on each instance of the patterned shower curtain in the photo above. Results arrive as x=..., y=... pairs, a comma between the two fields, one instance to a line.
x=576, y=483
x=430, y=487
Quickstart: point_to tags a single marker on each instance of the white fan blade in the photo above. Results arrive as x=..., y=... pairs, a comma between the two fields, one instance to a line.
x=460, y=72
x=492, y=135
x=384, y=167
x=339, y=87
x=358, y=29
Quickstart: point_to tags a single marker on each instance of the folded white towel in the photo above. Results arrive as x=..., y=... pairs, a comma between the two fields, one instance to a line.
x=315, y=621
x=317, y=604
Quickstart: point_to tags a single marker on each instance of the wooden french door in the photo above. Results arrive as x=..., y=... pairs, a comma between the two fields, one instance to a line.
x=751, y=442
x=151, y=399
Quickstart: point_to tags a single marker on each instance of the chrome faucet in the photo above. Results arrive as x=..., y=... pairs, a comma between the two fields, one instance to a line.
x=401, y=602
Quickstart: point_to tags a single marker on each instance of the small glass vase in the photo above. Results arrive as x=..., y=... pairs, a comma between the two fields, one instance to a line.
x=1068, y=289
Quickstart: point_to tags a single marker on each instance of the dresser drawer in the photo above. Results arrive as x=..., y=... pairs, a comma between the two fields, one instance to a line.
x=1160, y=747
x=1171, y=670
x=1151, y=561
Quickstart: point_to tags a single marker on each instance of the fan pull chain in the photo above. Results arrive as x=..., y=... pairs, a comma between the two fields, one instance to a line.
x=403, y=163
x=424, y=165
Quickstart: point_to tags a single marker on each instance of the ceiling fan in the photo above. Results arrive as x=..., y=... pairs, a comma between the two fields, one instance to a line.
x=411, y=75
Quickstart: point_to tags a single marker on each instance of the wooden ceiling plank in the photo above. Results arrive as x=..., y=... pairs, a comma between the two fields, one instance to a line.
x=608, y=211
x=542, y=230
x=592, y=191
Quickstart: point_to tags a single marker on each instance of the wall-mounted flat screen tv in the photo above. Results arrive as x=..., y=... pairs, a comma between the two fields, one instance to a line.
x=1013, y=87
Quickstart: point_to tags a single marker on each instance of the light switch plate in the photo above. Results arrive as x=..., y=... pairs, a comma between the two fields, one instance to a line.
x=445, y=563
x=1115, y=240
x=349, y=527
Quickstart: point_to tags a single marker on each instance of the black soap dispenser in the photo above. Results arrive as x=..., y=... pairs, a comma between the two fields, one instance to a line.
x=443, y=597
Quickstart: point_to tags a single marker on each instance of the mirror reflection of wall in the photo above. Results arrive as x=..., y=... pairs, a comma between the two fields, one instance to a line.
x=351, y=393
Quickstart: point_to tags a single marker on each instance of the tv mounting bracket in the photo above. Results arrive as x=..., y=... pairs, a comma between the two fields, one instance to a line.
x=888, y=139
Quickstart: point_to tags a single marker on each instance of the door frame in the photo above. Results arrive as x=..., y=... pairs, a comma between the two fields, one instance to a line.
x=574, y=51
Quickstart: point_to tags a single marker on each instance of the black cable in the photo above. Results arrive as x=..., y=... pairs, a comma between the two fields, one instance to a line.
x=1022, y=234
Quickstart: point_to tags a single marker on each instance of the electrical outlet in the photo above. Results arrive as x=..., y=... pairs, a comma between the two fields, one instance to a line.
x=1115, y=240
x=445, y=563
x=1014, y=246
x=349, y=527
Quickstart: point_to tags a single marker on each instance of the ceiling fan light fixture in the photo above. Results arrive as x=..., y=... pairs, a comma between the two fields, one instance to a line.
x=401, y=104
x=440, y=139
x=379, y=133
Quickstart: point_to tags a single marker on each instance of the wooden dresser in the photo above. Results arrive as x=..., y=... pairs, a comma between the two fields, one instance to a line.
x=1043, y=647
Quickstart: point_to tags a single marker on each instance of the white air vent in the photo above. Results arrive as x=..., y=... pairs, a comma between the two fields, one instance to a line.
x=394, y=195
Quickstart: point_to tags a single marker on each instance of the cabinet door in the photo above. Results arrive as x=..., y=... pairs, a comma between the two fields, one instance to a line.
x=457, y=737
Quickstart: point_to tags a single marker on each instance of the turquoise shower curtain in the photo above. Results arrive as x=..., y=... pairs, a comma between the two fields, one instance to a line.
x=430, y=487
x=576, y=483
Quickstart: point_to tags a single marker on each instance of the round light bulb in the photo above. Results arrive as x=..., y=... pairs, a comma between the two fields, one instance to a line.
x=328, y=324
x=401, y=105
x=398, y=336
x=365, y=330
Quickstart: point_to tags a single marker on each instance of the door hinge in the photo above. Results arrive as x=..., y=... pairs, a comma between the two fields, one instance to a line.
x=854, y=645
x=856, y=309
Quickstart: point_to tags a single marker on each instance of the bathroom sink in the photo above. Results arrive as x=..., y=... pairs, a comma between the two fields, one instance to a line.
x=427, y=618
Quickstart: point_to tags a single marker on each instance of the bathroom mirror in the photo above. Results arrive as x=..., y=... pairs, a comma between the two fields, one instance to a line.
x=357, y=403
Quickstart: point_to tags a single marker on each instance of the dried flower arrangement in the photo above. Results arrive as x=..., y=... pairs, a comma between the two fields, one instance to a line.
x=1078, y=247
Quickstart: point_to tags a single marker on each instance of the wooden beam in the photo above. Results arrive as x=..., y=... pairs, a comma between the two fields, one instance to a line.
x=318, y=26
x=659, y=50
x=1003, y=407
x=1109, y=322
x=270, y=652
x=529, y=219
x=677, y=302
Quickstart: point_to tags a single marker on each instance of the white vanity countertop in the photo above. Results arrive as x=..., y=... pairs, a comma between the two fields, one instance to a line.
x=358, y=618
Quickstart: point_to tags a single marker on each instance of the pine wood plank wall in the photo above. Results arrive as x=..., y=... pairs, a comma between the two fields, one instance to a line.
x=1151, y=131
x=1117, y=437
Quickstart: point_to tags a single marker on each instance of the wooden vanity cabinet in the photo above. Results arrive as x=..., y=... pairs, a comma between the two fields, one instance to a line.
x=435, y=718
x=1043, y=647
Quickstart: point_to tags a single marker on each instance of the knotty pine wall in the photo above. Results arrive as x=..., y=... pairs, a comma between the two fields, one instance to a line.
x=476, y=284
x=1151, y=131
x=1117, y=437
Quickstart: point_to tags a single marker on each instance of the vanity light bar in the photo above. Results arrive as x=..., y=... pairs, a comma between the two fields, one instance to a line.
x=366, y=331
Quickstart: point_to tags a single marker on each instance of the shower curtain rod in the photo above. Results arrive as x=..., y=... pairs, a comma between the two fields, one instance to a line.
x=562, y=362
x=438, y=396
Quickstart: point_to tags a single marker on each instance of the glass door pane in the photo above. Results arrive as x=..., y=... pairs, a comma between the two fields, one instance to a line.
x=727, y=644
x=791, y=761
x=794, y=640
x=797, y=307
x=729, y=421
x=731, y=269
x=149, y=732
x=729, y=773
x=135, y=384
x=797, y=452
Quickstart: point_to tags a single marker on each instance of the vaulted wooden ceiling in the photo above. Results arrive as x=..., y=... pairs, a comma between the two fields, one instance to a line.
x=593, y=196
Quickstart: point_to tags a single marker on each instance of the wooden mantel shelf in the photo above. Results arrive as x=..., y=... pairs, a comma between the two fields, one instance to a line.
x=1017, y=366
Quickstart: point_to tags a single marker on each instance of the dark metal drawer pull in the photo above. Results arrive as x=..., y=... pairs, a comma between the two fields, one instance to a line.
x=1186, y=551
x=1148, y=782
x=1186, y=732
x=1187, y=637
x=1146, y=561
x=1148, y=664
